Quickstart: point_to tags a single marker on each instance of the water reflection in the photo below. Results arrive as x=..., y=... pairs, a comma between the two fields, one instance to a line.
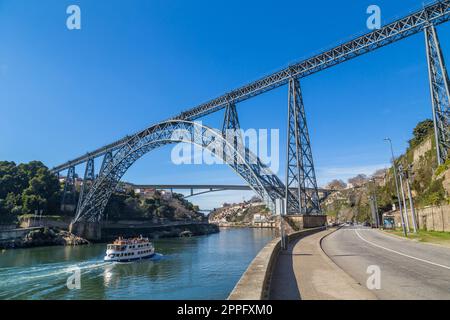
x=204, y=267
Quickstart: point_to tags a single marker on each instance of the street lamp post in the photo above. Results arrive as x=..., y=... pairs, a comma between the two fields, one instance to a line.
x=405, y=208
x=396, y=186
x=375, y=203
x=411, y=202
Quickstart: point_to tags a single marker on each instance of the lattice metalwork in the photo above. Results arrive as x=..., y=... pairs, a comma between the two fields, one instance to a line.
x=88, y=180
x=231, y=120
x=436, y=13
x=231, y=129
x=106, y=159
x=259, y=177
x=300, y=166
x=440, y=97
x=68, y=197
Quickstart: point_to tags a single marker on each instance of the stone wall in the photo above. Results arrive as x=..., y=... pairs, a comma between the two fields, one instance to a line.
x=421, y=149
x=44, y=222
x=299, y=222
x=91, y=231
x=12, y=234
x=433, y=218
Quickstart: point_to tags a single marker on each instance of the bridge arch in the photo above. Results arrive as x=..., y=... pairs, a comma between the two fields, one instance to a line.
x=259, y=177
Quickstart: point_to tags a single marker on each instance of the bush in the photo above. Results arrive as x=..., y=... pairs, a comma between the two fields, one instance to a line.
x=443, y=167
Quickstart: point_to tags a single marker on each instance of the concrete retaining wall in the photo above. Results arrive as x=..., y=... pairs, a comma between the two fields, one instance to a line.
x=91, y=231
x=13, y=234
x=300, y=222
x=255, y=282
x=30, y=223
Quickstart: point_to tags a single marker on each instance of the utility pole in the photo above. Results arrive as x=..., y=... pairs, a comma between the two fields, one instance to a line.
x=372, y=209
x=375, y=202
x=378, y=213
x=405, y=209
x=411, y=202
x=396, y=186
x=281, y=205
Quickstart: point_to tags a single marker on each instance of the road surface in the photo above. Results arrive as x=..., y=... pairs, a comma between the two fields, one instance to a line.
x=408, y=269
x=305, y=272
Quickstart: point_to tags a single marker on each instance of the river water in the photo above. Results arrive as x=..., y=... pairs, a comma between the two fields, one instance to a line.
x=205, y=267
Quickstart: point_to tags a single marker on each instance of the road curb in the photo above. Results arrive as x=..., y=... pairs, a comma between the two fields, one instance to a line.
x=255, y=282
x=414, y=240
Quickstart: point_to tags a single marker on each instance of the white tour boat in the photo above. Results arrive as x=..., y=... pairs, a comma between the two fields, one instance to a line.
x=123, y=250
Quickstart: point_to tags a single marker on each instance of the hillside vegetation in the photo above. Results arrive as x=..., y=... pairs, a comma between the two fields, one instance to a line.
x=128, y=205
x=428, y=181
x=27, y=187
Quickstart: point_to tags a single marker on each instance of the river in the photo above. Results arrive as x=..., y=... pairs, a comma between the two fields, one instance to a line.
x=205, y=267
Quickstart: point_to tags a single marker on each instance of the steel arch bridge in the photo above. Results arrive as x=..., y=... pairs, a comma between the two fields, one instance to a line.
x=300, y=172
x=242, y=161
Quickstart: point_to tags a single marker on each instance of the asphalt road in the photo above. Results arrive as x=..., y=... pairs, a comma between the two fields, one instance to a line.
x=408, y=269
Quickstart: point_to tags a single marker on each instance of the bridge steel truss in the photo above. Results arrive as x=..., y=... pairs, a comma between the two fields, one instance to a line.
x=68, y=197
x=300, y=171
x=422, y=20
x=175, y=131
x=439, y=89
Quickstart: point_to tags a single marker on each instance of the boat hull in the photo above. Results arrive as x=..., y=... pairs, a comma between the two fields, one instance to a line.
x=124, y=259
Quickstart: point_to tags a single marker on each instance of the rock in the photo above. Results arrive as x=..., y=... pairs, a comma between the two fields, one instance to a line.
x=47, y=237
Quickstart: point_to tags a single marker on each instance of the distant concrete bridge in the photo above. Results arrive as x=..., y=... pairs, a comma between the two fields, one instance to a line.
x=199, y=189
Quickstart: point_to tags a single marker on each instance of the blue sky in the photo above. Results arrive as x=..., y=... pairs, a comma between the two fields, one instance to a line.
x=134, y=63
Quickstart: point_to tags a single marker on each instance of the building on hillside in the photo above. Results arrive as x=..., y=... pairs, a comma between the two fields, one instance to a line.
x=380, y=177
x=166, y=195
x=148, y=192
x=259, y=218
x=78, y=181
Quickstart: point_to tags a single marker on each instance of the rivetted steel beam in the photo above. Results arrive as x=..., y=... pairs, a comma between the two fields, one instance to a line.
x=436, y=13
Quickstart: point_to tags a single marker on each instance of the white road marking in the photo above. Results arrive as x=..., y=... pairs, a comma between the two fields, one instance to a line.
x=402, y=254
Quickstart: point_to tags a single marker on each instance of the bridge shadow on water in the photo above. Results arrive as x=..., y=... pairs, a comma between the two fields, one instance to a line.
x=284, y=283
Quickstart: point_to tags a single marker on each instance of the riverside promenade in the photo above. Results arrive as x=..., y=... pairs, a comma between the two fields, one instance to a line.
x=303, y=271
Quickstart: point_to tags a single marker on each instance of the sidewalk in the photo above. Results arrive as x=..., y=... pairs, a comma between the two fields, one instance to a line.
x=305, y=272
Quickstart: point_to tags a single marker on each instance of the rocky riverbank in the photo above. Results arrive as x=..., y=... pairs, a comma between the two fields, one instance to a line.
x=198, y=229
x=44, y=237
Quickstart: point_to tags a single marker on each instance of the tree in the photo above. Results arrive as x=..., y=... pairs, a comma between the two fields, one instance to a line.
x=359, y=180
x=422, y=130
x=380, y=173
x=255, y=199
x=336, y=185
x=27, y=187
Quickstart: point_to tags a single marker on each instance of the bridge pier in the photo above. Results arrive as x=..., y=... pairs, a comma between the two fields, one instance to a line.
x=91, y=231
x=297, y=222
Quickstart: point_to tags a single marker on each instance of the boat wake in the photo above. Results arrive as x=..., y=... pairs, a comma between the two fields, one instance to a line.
x=30, y=278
